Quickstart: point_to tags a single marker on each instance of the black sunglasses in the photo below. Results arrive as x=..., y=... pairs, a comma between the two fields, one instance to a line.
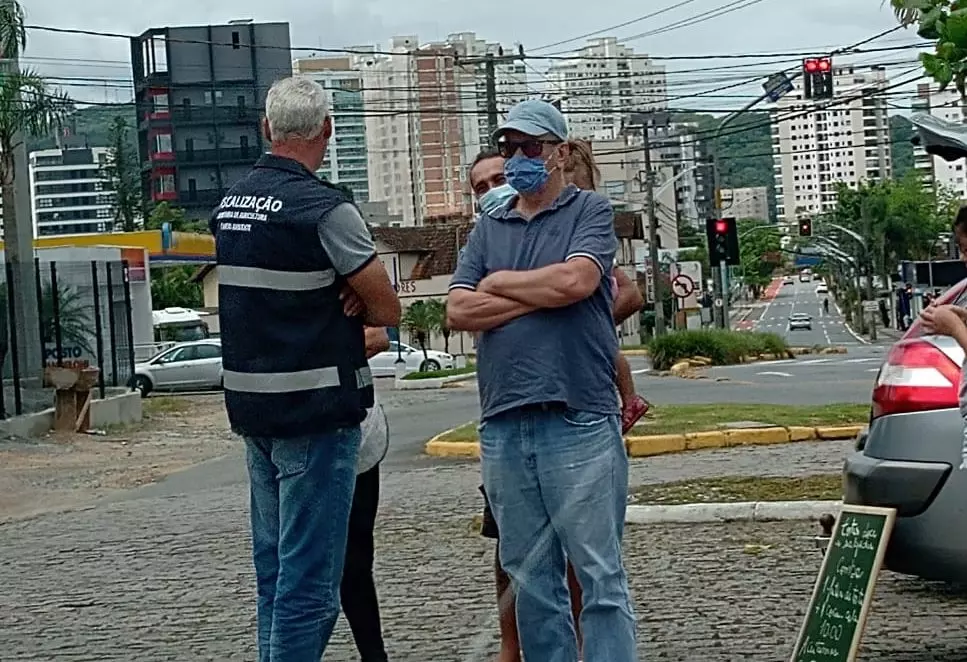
x=530, y=147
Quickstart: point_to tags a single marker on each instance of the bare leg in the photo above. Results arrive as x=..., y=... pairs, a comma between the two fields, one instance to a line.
x=507, y=612
x=574, y=587
x=633, y=406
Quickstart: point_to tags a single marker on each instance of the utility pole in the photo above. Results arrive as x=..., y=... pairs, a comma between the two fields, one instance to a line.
x=490, y=62
x=18, y=242
x=653, y=235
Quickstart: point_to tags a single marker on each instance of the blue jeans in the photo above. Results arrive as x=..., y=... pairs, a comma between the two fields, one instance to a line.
x=301, y=493
x=557, y=481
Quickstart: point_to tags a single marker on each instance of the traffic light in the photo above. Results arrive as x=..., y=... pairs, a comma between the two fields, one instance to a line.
x=818, y=77
x=806, y=227
x=723, y=241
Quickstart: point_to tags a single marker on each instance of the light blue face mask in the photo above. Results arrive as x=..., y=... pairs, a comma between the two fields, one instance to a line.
x=496, y=198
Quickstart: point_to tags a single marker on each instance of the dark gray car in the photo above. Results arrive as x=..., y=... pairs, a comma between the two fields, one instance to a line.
x=910, y=458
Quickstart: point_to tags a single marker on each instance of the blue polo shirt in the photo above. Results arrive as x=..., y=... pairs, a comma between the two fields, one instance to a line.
x=553, y=354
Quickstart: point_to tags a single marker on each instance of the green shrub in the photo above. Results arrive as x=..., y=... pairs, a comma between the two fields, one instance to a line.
x=720, y=346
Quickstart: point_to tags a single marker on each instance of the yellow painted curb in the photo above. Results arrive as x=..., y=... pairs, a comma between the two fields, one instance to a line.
x=757, y=436
x=465, y=449
x=800, y=433
x=698, y=440
x=656, y=444
x=635, y=352
x=664, y=444
x=840, y=432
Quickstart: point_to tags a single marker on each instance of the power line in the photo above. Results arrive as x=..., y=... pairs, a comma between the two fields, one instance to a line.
x=617, y=26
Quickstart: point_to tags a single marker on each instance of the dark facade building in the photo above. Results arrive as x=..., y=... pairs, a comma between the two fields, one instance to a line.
x=200, y=94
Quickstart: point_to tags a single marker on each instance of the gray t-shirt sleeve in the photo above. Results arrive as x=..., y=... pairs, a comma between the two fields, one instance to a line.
x=346, y=239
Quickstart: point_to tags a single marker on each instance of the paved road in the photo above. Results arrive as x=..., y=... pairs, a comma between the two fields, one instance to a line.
x=163, y=574
x=802, y=298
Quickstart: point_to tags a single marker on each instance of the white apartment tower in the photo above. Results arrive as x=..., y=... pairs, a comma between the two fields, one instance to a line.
x=510, y=80
x=819, y=143
x=70, y=193
x=603, y=82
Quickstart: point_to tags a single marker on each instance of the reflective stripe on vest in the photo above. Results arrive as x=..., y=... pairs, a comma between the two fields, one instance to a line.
x=296, y=281
x=290, y=382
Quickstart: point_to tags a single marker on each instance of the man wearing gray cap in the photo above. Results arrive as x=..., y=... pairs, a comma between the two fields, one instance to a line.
x=535, y=281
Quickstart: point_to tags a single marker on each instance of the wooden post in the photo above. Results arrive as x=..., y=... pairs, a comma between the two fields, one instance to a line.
x=72, y=399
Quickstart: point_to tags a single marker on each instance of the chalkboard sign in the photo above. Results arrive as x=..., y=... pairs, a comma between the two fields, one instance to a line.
x=841, y=599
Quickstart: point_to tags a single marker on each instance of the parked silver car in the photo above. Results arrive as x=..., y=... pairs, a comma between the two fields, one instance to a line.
x=911, y=457
x=185, y=367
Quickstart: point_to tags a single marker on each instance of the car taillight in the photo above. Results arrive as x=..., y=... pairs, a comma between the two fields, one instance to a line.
x=917, y=376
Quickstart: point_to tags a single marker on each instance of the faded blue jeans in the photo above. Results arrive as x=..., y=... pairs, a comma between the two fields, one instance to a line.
x=301, y=496
x=557, y=481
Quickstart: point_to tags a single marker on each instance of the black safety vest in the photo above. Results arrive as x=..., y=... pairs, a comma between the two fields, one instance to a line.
x=293, y=363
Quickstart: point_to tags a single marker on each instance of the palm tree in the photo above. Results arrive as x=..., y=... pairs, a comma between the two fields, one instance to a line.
x=27, y=106
x=423, y=318
x=907, y=11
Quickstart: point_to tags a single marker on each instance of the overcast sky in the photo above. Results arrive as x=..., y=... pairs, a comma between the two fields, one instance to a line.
x=765, y=26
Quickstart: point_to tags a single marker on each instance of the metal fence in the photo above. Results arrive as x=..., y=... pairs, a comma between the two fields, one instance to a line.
x=83, y=312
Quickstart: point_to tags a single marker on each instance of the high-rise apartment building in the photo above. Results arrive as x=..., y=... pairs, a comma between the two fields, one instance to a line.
x=200, y=93
x=934, y=170
x=70, y=193
x=602, y=83
x=346, y=157
x=817, y=144
x=510, y=86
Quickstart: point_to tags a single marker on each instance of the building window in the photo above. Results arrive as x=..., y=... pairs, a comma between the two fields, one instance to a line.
x=159, y=103
x=162, y=143
x=217, y=97
x=236, y=40
x=165, y=184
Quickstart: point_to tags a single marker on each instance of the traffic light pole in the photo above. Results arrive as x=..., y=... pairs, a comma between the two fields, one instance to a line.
x=490, y=62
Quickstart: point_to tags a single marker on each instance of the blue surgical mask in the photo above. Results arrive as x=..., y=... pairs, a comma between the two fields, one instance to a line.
x=496, y=198
x=526, y=175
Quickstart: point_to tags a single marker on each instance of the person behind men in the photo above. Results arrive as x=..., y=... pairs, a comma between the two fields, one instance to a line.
x=489, y=186
x=298, y=278
x=535, y=281
x=358, y=588
x=583, y=172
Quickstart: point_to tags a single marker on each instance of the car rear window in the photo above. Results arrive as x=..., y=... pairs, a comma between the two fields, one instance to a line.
x=956, y=295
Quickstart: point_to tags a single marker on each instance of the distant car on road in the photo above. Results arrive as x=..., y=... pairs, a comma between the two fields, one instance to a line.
x=384, y=363
x=805, y=276
x=187, y=366
x=788, y=280
x=800, y=321
x=822, y=288
x=912, y=457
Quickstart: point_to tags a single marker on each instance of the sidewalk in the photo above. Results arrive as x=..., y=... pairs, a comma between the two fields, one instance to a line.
x=168, y=576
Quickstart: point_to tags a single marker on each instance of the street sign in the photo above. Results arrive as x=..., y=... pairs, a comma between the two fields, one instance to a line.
x=682, y=286
x=871, y=306
x=686, y=283
x=718, y=303
x=649, y=282
x=777, y=86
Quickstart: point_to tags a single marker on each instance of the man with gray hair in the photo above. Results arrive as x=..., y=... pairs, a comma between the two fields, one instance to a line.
x=298, y=280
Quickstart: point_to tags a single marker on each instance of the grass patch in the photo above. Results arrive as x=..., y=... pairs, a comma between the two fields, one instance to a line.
x=720, y=346
x=679, y=419
x=433, y=374
x=159, y=406
x=819, y=487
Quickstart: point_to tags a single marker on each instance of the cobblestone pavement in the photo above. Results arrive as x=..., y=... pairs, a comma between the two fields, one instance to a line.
x=169, y=578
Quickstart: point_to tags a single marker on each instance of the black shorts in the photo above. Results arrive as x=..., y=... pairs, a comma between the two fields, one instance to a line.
x=488, y=528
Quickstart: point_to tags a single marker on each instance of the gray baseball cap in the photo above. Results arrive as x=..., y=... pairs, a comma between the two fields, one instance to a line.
x=534, y=118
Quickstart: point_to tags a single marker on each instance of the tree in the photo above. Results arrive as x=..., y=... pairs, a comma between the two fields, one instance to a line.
x=945, y=22
x=422, y=319
x=163, y=212
x=172, y=287
x=122, y=170
x=759, y=253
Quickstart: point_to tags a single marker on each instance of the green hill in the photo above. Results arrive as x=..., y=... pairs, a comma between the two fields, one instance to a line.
x=93, y=122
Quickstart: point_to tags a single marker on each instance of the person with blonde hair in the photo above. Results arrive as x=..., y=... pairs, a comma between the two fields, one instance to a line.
x=583, y=172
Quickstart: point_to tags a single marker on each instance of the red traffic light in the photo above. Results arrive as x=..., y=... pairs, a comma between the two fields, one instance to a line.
x=721, y=226
x=811, y=66
x=817, y=65
x=824, y=64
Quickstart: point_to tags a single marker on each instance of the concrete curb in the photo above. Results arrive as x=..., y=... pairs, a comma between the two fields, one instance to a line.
x=664, y=444
x=432, y=383
x=744, y=511
x=635, y=352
